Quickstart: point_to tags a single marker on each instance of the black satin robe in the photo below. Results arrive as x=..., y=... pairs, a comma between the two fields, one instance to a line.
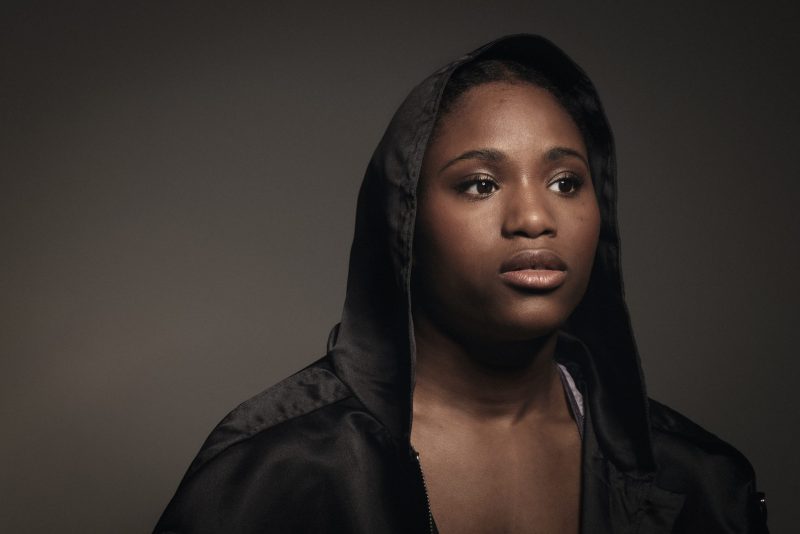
x=328, y=450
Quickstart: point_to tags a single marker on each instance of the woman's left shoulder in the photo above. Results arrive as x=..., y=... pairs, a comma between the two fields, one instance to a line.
x=674, y=434
x=718, y=481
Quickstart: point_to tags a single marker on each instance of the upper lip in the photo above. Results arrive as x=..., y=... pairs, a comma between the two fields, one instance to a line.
x=534, y=259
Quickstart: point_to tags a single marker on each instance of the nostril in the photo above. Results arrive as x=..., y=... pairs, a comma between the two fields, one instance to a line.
x=530, y=223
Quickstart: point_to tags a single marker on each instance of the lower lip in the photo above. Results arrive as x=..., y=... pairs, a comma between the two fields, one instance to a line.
x=539, y=279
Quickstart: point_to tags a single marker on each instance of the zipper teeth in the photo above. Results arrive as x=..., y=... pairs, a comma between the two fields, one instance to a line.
x=427, y=500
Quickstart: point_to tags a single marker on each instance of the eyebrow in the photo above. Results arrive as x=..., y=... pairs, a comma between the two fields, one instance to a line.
x=488, y=155
x=555, y=154
x=491, y=155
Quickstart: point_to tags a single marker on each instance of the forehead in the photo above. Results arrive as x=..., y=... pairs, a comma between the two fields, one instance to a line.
x=511, y=116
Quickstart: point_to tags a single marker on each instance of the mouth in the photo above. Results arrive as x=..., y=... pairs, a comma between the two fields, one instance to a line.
x=534, y=269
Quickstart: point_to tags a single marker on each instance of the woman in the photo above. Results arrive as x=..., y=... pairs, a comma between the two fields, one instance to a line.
x=484, y=304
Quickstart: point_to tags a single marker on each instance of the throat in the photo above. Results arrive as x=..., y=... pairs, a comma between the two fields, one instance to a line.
x=498, y=463
x=493, y=383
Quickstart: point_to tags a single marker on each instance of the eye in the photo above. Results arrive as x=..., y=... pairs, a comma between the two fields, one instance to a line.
x=566, y=184
x=478, y=186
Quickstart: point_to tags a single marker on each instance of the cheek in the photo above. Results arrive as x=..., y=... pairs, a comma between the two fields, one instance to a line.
x=455, y=258
x=583, y=231
x=455, y=237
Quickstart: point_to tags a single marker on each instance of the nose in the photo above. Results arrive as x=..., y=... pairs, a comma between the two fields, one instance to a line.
x=528, y=214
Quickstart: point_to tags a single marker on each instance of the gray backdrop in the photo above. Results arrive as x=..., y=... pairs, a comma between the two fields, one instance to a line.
x=178, y=195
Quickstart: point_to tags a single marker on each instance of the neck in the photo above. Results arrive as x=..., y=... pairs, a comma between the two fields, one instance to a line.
x=490, y=381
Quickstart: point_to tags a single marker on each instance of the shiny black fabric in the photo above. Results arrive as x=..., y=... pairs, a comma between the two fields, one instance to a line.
x=327, y=450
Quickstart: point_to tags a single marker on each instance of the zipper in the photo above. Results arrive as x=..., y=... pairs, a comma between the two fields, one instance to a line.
x=425, y=489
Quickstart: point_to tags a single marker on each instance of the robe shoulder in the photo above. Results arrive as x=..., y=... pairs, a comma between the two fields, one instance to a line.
x=717, y=480
x=276, y=457
x=301, y=394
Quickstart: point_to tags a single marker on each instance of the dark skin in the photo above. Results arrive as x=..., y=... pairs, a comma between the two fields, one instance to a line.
x=505, y=173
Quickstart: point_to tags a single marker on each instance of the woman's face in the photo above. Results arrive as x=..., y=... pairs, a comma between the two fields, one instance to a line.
x=507, y=220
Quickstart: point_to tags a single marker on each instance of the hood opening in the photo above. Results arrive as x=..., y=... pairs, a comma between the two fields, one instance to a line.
x=372, y=349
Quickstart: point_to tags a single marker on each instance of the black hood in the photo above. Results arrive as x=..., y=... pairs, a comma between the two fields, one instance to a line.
x=372, y=349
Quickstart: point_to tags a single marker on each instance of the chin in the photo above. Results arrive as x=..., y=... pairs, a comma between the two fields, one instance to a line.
x=527, y=331
x=534, y=317
x=525, y=326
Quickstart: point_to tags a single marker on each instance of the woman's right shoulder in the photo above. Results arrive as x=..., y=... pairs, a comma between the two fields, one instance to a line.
x=285, y=403
x=287, y=445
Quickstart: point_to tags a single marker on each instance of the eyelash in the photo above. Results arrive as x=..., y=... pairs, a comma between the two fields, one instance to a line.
x=569, y=177
x=475, y=180
x=576, y=180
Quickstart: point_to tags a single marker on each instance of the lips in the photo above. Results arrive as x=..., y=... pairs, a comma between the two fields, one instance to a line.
x=534, y=269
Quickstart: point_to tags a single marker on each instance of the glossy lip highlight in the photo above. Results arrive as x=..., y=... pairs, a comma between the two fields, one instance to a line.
x=534, y=269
